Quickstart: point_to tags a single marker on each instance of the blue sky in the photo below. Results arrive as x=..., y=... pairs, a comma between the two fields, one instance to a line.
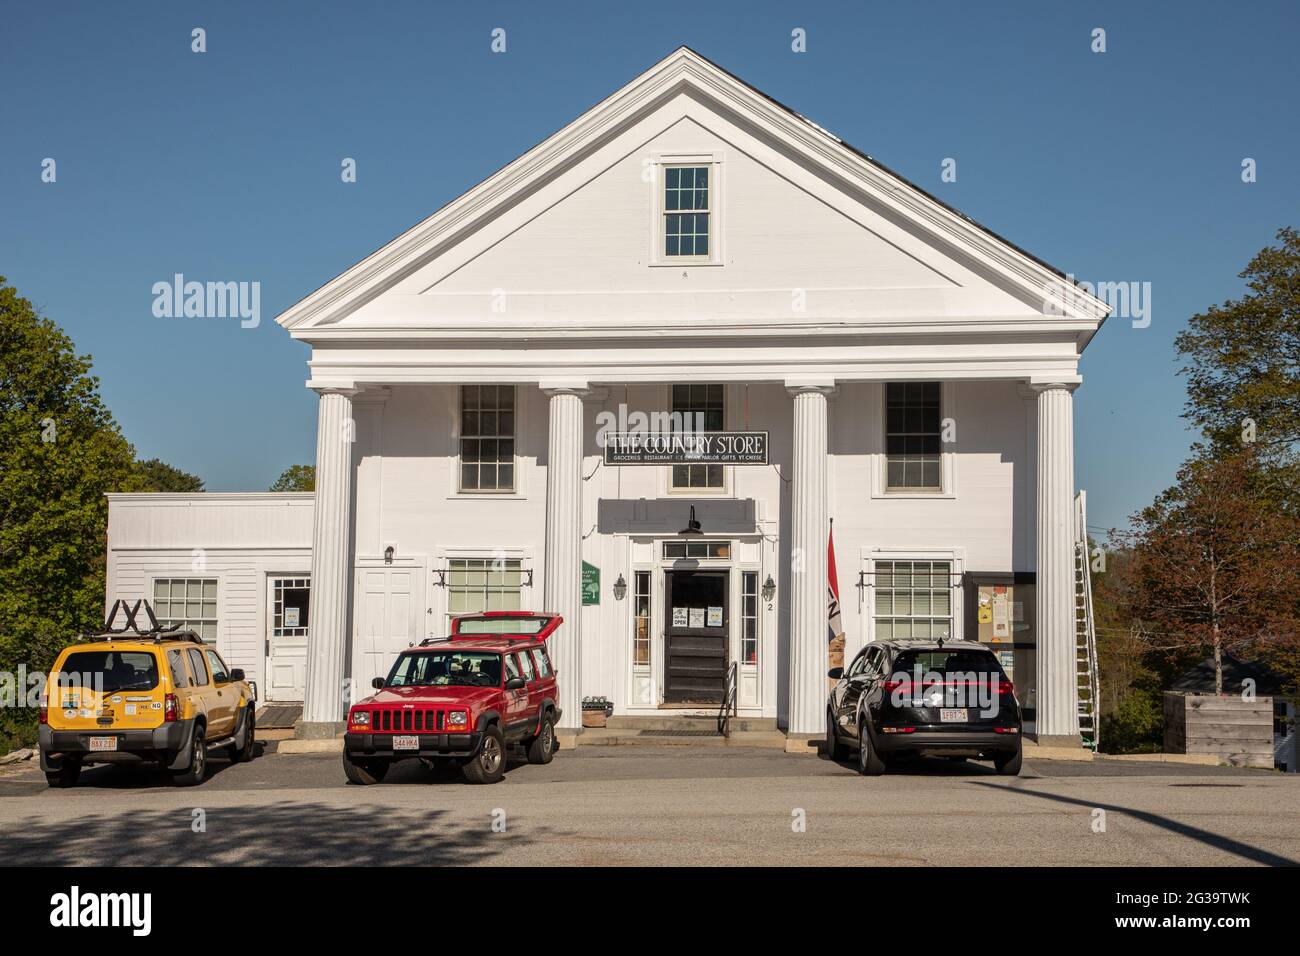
x=1122, y=166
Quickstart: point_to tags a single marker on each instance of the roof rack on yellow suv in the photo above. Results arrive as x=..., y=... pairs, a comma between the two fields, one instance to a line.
x=156, y=631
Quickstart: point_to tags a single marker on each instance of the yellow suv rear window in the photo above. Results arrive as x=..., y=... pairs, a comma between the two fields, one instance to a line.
x=111, y=670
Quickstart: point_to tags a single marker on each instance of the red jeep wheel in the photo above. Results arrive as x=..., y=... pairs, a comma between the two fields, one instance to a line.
x=489, y=764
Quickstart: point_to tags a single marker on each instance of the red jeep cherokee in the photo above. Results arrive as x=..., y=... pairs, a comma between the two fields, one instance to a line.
x=460, y=700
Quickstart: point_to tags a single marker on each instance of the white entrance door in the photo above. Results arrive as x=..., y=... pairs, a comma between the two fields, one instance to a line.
x=287, y=631
x=386, y=622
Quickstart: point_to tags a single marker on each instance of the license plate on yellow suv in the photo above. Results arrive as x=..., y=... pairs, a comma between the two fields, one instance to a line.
x=103, y=743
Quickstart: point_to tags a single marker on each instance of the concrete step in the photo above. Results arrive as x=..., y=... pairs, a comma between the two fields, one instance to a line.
x=683, y=722
x=610, y=737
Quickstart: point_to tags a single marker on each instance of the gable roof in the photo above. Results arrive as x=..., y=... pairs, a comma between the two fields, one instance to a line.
x=684, y=68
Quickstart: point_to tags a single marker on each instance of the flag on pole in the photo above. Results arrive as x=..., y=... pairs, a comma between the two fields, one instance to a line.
x=835, y=627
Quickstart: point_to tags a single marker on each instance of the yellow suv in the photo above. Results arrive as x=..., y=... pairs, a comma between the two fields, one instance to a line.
x=155, y=697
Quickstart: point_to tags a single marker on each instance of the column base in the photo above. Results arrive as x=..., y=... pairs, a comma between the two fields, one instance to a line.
x=808, y=745
x=1058, y=740
x=318, y=730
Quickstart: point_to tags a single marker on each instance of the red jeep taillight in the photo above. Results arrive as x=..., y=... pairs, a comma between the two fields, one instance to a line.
x=169, y=708
x=43, y=715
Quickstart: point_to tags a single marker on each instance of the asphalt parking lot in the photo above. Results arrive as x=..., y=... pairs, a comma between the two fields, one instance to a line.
x=678, y=806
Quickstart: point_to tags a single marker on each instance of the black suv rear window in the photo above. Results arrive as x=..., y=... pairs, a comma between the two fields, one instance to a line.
x=964, y=661
x=113, y=670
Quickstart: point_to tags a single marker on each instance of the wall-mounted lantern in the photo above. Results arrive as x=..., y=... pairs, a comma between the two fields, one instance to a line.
x=769, y=588
x=620, y=588
x=388, y=554
x=693, y=526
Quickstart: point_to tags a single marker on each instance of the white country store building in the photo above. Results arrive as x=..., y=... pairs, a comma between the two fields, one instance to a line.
x=687, y=245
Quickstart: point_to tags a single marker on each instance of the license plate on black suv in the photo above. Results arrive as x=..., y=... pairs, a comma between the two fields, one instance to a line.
x=953, y=716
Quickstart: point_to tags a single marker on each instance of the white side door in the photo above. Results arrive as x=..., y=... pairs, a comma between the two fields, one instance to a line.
x=387, y=600
x=287, y=634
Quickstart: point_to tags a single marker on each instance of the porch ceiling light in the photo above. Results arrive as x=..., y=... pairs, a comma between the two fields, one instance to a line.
x=692, y=526
x=620, y=588
x=769, y=588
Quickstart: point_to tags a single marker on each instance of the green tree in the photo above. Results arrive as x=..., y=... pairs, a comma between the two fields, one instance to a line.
x=1216, y=566
x=60, y=452
x=1243, y=359
x=157, y=475
x=296, y=478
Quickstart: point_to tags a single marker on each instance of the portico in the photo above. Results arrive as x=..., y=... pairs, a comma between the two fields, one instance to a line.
x=912, y=374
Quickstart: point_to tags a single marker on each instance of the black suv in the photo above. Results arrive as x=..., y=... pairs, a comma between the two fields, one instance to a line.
x=945, y=698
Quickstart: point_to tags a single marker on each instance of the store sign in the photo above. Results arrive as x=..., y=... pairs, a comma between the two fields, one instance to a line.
x=590, y=584
x=686, y=448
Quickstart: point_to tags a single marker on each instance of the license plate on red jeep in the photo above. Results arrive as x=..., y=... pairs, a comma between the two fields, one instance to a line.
x=406, y=743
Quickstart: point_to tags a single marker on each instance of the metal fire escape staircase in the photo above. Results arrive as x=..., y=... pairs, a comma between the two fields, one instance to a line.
x=1085, y=632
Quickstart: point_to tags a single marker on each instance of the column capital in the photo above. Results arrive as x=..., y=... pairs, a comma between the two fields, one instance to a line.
x=803, y=386
x=565, y=386
x=347, y=391
x=1069, y=383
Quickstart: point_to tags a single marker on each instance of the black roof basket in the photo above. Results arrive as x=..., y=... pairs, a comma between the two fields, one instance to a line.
x=155, y=630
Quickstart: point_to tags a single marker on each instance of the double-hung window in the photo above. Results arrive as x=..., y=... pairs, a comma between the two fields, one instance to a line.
x=913, y=436
x=188, y=602
x=687, y=212
x=487, y=438
x=913, y=600
x=698, y=408
x=485, y=584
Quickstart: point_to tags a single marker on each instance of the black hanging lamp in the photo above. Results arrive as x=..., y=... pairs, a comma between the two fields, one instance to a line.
x=692, y=526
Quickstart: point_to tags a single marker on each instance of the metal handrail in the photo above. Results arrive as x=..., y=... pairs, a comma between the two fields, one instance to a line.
x=727, y=710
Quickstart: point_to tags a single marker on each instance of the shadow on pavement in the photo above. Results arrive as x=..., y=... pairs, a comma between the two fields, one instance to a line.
x=1226, y=844
x=924, y=766
x=277, y=834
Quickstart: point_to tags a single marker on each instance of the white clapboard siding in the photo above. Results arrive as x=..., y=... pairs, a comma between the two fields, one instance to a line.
x=240, y=540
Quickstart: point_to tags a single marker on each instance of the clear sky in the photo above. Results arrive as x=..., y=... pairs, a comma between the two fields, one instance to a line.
x=1123, y=166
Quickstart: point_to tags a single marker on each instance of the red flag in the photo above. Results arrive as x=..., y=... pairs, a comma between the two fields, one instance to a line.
x=834, y=628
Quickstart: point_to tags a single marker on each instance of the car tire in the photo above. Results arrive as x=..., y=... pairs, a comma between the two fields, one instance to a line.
x=836, y=749
x=198, y=768
x=66, y=776
x=364, y=772
x=244, y=753
x=489, y=764
x=542, y=747
x=1009, y=764
x=869, y=762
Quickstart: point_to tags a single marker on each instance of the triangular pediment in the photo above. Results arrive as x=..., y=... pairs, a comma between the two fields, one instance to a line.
x=809, y=231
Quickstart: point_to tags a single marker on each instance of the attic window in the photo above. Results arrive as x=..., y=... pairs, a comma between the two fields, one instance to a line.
x=687, y=212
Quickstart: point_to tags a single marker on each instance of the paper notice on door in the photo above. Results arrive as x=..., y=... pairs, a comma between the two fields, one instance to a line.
x=291, y=617
x=679, y=617
x=697, y=617
x=1001, y=616
x=715, y=617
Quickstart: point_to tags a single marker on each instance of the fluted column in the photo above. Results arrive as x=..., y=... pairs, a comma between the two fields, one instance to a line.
x=327, y=650
x=1057, y=693
x=808, y=531
x=562, y=573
